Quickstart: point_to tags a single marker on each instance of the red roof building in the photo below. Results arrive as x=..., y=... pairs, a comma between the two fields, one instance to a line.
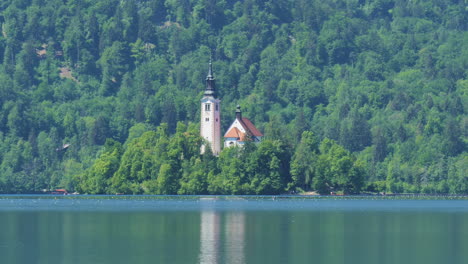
x=240, y=131
x=59, y=191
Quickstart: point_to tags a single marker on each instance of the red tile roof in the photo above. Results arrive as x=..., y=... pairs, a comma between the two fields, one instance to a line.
x=251, y=127
x=251, y=130
x=233, y=133
x=236, y=133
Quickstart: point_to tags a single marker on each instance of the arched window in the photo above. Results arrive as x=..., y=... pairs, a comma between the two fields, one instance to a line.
x=207, y=107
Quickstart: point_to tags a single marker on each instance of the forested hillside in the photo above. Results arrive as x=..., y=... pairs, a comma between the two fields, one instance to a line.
x=102, y=96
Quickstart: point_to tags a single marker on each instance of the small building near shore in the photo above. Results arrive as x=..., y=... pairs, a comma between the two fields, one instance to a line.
x=241, y=130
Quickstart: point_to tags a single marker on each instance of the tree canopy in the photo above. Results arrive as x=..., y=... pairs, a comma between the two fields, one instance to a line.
x=353, y=96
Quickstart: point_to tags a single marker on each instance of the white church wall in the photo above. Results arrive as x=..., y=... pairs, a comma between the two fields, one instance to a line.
x=210, y=125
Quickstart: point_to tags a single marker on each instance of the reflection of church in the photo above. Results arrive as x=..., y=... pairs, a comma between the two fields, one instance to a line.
x=240, y=131
x=209, y=237
x=216, y=246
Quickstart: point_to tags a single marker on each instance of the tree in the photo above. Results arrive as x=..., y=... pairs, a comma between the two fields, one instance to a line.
x=337, y=170
x=114, y=62
x=268, y=168
x=96, y=179
x=337, y=38
x=74, y=40
x=453, y=145
x=457, y=177
x=232, y=177
x=355, y=132
x=194, y=178
x=385, y=79
x=140, y=161
x=379, y=141
x=303, y=162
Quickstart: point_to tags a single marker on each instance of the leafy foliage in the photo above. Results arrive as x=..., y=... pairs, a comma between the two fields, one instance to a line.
x=100, y=96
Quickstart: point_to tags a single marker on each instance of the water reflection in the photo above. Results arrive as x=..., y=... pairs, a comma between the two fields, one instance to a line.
x=234, y=231
x=217, y=246
x=209, y=237
x=235, y=237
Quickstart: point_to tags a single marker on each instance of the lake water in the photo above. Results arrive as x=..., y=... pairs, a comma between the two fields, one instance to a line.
x=155, y=229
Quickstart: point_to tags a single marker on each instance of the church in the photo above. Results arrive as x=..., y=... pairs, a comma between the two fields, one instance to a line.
x=240, y=131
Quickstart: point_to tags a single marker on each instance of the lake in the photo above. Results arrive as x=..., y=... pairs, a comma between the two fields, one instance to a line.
x=193, y=229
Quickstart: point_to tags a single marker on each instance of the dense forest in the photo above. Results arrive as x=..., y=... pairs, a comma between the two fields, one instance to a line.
x=353, y=96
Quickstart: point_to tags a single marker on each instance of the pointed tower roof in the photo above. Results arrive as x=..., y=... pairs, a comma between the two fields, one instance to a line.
x=210, y=82
x=210, y=71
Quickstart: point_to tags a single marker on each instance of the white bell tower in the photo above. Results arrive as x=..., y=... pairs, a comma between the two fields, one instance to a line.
x=210, y=123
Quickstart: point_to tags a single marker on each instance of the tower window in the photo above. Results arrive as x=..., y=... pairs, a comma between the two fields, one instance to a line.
x=207, y=107
x=216, y=107
x=207, y=119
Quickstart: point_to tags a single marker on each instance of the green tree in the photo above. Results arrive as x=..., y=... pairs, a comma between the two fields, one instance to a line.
x=194, y=177
x=337, y=170
x=114, y=62
x=268, y=168
x=303, y=162
x=232, y=177
x=141, y=161
x=96, y=179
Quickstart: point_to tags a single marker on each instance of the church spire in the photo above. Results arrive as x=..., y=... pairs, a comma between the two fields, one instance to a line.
x=210, y=71
x=238, y=113
x=210, y=82
x=210, y=122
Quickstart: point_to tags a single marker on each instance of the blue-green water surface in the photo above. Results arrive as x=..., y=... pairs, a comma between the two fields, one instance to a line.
x=192, y=229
